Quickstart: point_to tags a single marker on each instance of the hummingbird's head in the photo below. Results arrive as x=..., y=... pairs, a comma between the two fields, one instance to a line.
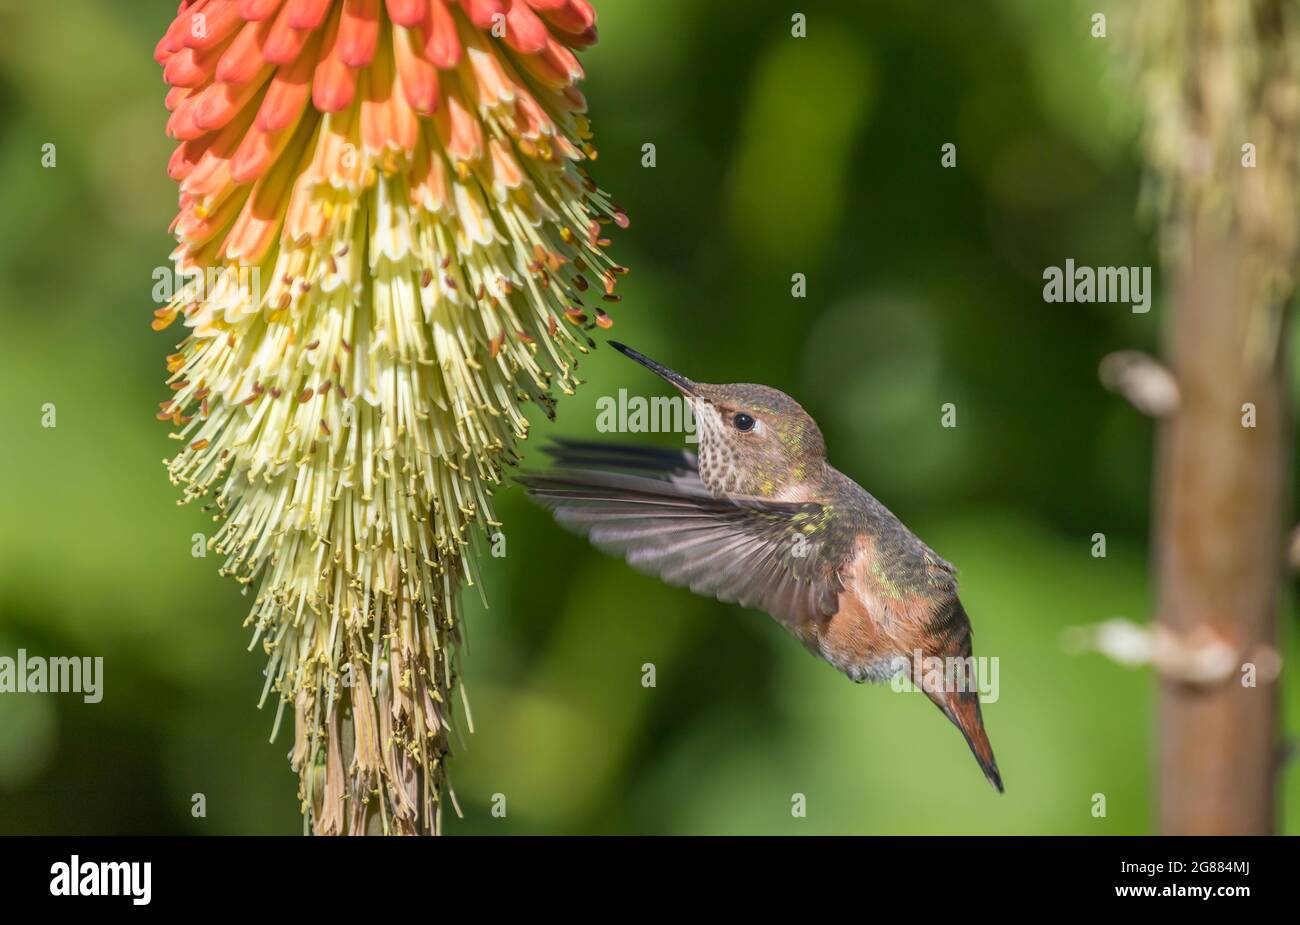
x=754, y=440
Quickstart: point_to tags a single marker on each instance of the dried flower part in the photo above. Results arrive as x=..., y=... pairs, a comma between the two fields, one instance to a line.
x=1220, y=144
x=389, y=227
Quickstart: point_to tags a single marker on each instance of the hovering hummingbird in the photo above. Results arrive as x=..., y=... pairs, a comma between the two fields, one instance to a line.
x=759, y=517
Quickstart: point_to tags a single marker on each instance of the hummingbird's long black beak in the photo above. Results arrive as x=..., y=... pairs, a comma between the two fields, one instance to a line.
x=676, y=378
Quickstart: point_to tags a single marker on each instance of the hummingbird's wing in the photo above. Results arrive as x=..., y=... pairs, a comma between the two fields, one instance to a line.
x=657, y=461
x=649, y=506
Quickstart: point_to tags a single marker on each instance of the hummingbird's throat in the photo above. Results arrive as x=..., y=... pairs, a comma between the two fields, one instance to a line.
x=730, y=462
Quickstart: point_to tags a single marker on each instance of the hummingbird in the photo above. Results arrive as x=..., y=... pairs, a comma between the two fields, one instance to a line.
x=759, y=517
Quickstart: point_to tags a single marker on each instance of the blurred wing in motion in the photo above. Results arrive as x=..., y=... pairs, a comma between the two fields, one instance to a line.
x=648, y=505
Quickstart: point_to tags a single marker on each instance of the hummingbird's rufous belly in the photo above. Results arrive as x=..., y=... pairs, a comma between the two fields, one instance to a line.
x=850, y=643
x=869, y=637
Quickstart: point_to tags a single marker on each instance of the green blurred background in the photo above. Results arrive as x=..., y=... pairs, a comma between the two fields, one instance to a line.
x=774, y=156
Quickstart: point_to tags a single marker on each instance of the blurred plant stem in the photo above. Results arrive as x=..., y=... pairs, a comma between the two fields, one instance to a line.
x=1221, y=492
x=1219, y=82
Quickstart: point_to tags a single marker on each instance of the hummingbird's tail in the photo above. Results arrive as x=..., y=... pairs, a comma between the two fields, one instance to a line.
x=963, y=708
x=956, y=690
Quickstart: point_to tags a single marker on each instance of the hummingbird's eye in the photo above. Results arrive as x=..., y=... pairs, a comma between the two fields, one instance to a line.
x=743, y=422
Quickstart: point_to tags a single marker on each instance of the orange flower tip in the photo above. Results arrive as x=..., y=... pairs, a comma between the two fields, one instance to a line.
x=283, y=44
x=243, y=59
x=174, y=97
x=199, y=445
x=423, y=97
x=563, y=61
x=407, y=13
x=184, y=70
x=306, y=14
x=525, y=32
x=216, y=107
x=575, y=17
x=178, y=165
x=220, y=22
x=577, y=102
x=621, y=220
x=333, y=93
x=442, y=48
x=482, y=12
x=282, y=106
x=258, y=10
x=180, y=124
x=255, y=155
x=611, y=297
x=358, y=33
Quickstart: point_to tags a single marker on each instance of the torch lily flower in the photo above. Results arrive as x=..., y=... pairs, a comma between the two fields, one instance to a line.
x=389, y=242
